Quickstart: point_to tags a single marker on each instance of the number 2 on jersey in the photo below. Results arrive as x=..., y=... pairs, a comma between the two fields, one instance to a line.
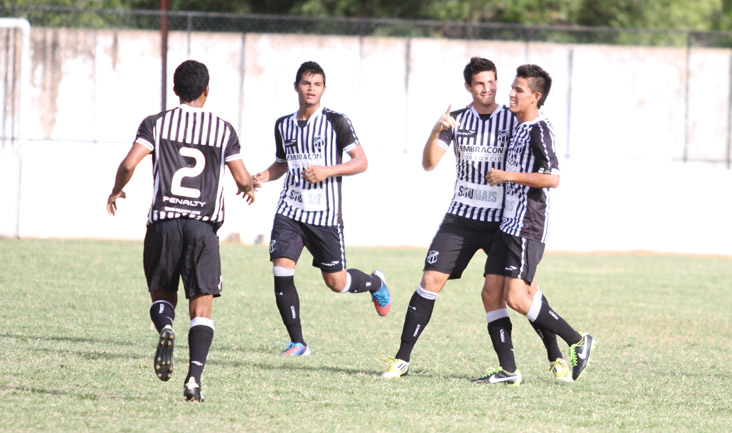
x=176, y=188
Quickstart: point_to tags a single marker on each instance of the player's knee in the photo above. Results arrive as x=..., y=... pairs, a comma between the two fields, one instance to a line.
x=335, y=282
x=433, y=281
x=517, y=302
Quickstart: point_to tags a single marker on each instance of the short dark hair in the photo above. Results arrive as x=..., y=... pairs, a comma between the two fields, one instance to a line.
x=539, y=80
x=310, y=68
x=190, y=80
x=476, y=66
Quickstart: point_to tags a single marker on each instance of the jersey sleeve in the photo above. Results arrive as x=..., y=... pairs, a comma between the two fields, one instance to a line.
x=542, y=145
x=445, y=138
x=279, y=145
x=346, y=138
x=233, y=147
x=146, y=133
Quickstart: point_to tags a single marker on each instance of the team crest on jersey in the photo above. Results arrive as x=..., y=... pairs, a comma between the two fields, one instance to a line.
x=318, y=142
x=272, y=246
x=465, y=133
x=502, y=138
x=432, y=257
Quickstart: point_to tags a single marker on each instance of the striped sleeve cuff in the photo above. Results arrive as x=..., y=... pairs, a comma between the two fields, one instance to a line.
x=443, y=145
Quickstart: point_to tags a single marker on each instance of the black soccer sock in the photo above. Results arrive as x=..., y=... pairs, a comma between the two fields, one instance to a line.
x=199, y=342
x=288, y=302
x=500, y=332
x=543, y=316
x=362, y=282
x=162, y=313
x=549, y=338
x=418, y=316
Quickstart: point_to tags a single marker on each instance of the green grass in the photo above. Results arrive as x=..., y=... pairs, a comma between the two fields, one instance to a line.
x=77, y=347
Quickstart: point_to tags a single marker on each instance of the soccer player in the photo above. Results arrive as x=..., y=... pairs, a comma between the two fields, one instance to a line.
x=190, y=148
x=531, y=170
x=309, y=150
x=480, y=134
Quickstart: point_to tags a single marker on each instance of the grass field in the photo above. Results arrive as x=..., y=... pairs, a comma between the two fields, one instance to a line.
x=77, y=348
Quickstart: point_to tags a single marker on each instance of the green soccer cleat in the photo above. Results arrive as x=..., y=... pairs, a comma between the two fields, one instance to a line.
x=499, y=375
x=397, y=368
x=560, y=370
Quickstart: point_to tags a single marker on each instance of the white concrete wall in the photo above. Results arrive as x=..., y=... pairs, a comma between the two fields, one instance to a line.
x=619, y=112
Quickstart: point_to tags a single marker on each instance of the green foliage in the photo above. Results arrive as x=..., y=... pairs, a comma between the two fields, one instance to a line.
x=699, y=15
x=78, y=346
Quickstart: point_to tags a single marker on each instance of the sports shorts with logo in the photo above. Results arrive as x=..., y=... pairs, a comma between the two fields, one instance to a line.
x=515, y=256
x=325, y=243
x=455, y=243
x=186, y=249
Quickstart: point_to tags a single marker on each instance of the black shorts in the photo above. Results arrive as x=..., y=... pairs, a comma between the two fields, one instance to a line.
x=517, y=257
x=455, y=243
x=325, y=243
x=182, y=248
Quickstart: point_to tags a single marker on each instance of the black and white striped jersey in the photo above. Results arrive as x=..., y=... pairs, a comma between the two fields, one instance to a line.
x=526, y=211
x=190, y=149
x=480, y=145
x=321, y=141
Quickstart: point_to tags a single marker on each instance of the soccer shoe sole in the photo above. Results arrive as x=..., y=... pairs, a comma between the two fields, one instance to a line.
x=164, y=355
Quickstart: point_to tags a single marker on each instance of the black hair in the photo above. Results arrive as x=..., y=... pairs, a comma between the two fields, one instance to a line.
x=539, y=80
x=476, y=66
x=310, y=68
x=190, y=80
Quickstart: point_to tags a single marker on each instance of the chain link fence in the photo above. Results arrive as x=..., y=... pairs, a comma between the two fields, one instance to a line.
x=250, y=23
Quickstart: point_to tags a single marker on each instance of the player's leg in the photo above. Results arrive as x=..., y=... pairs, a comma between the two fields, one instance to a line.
x=201, y=275
x=496, y=313
x=419, y=312
x=499, y=329
x=448, y=255
x=285, y=247
x=522, y=260
x=161, y=257
x=327, y=246
x=200, y=337
x=557, y=365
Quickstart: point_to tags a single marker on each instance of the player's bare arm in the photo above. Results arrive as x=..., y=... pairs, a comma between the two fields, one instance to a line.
x=273, y=172
x=243, y=179
x=433, y=152
x=533, y=180
x=357, y=164
x=124, y=173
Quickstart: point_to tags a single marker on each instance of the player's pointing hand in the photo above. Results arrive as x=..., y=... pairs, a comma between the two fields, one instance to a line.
x=445, y=121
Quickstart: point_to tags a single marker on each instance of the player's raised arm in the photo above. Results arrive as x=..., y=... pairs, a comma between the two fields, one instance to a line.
x=433, y=152
x=124, y=173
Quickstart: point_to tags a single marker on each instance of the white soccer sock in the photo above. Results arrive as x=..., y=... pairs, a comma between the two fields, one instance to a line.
x=421, y=291
x=534, y=310
x=496, y=314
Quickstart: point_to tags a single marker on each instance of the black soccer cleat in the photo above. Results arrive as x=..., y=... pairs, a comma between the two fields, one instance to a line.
x=192, y=391
x=164, y=354
x=499, y=375
x=580, y=355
